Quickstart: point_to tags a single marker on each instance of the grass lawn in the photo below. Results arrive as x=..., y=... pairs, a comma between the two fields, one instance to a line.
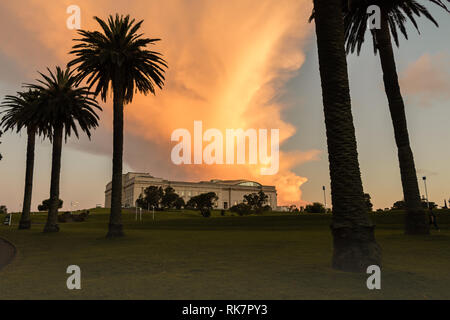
x=182, y=255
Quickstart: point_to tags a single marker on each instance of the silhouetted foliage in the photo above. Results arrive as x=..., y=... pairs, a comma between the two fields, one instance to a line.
x=400, y=205
x=159, y=199
x=67, y=109
x=3, y=209
x=151, y=198
x=169, y=198
x=241, y=209
x=205, y=212
x=316, y=207
x=179, y=203
x=23, y=111
x=393, y=16
x=45, y=205
x=256, y=201
x=116, y=59
x=252, y=203
x=203, y=201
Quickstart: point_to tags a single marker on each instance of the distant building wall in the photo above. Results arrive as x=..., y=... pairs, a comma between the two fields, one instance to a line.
x=229, y=192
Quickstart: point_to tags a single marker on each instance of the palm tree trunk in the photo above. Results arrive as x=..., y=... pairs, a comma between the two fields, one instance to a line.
x=354, y=242
x=25, y=219
x=115, y=219
x=52, y=220
x=416, y=219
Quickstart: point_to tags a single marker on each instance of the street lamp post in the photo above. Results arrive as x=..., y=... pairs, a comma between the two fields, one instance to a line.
x=73, y=204
x=426, y=191
x=324, y=197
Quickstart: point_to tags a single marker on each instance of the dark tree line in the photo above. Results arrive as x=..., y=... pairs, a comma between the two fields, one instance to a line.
x=159, y=198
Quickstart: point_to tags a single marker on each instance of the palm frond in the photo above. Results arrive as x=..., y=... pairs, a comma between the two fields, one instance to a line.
x=399, y=12
x=117, y=58
x=62, y=103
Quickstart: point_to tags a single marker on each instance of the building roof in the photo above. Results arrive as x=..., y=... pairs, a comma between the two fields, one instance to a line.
x=240, y=182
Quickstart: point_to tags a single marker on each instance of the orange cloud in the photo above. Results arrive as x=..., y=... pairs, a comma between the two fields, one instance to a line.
x=227, y=62
x=427, y=80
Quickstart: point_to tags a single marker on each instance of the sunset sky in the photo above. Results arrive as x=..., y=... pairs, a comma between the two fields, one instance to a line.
x=232, y=64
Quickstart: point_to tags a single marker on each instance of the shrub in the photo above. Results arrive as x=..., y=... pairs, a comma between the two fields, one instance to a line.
x=316, y=207
x=179, y=203
x=241, y=209
x=205, y=212
x=46, y=203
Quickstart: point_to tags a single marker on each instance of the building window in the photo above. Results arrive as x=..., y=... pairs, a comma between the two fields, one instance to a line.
x=225, y=205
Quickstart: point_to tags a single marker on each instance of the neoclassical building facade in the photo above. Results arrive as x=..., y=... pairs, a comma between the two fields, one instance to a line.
x=229, y=192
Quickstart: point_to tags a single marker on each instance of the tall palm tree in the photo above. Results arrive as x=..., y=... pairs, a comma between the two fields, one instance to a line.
x=62, y=106
x=118, y=56
x=354, y=242
x=394, y=15
x=16, y=116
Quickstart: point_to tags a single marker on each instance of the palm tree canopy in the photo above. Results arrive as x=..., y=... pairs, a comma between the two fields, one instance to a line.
x=398, y=13
x=20, y=110
x=62, y=103
x=118, y=53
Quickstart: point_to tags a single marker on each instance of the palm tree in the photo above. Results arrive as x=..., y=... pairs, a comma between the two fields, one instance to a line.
x=354, y=242
x=62, y=106
x=119, y=57
x=394, y=15
x=17, y=116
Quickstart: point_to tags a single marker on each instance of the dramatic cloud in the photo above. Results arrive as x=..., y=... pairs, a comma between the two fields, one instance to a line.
x=427, y=80
x=228, y=61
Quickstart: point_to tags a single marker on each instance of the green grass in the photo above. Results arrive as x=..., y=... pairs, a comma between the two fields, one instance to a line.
x=185, y=256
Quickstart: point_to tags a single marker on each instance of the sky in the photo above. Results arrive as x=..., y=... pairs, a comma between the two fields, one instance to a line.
x=232, y=64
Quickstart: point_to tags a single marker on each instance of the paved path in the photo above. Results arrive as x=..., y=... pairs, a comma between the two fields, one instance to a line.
x=7, y=252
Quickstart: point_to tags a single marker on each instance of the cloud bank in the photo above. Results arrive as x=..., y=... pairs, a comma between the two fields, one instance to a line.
x=427, y=80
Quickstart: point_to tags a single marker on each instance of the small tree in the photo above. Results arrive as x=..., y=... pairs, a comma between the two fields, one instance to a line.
x=3, y=209
x=151, y=198
x=45, y=205
x=203, y=202
x=169, y=198
x=179, y=203
x=256, y=201
x=398, y=205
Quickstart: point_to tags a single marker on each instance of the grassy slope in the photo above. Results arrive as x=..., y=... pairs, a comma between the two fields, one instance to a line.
x=185, y=256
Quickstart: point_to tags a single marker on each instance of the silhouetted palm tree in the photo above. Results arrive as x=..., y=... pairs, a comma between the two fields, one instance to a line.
x=394, y=15
x=18, y=115
x=64, y=107
x=354, y=242
x=118, y=56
